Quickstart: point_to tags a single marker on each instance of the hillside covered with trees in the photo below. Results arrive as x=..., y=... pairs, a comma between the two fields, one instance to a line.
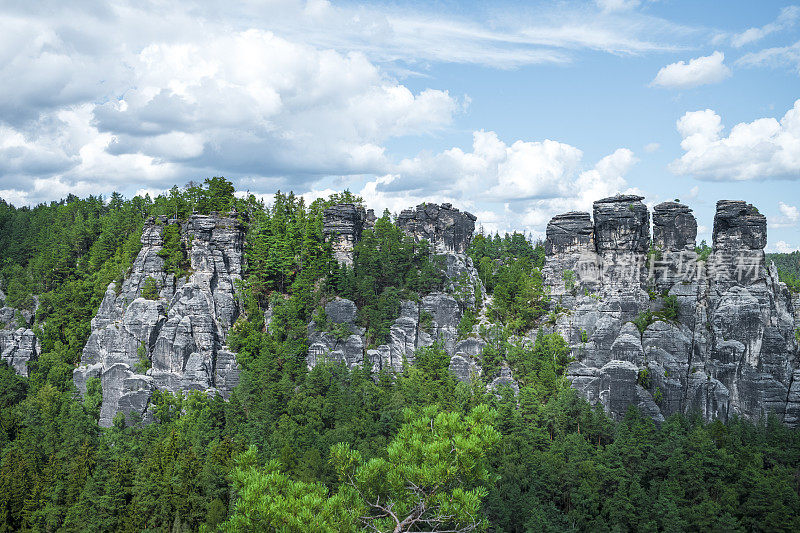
x=339, y=449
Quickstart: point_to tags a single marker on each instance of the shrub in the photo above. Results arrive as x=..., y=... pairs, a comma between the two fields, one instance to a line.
x=150, y=289
x=144, y=363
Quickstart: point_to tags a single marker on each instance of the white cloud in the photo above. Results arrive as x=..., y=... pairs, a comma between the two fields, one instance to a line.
x=693, y=192
x=788, y=219
x=763, y=149
x=617, y=5
x=698, y=71
x=789, y=211
x=786, y=19
x=651, y=147
x=780, y=56
x=782, y=247
x=532, y=180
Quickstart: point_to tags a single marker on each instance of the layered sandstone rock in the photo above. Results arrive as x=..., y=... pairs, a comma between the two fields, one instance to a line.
x=725, y=347
x=18, y=343
x=175, y=342
x=342, y=226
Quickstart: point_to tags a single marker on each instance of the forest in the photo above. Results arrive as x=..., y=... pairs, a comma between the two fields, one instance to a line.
x=338, y=449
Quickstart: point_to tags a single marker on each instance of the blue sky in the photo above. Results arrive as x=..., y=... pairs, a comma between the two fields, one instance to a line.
x=514, y=111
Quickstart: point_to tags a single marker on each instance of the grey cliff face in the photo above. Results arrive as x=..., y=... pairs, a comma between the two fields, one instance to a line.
x=445, y=227
x=674, y=227
x=342, y=225
x=621, y=223
x=434, y=318
x=728, y=345
x=181, y=334
x=18, y=343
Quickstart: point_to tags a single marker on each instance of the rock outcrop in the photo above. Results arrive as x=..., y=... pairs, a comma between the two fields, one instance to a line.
x=446, y=228
x=175, y=341
x=434, y=318
x=718, y=335
x=342, y=226
x=18, y=343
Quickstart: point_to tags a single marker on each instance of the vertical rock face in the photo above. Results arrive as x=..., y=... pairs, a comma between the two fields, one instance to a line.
x=342, y=225
x=18, y=343
x=570, y=232
x=180, y=335
x=674, y=227
x=434, y=318
x=725, y=344
x=445, y=227
x=738, y=225
x=621, y=223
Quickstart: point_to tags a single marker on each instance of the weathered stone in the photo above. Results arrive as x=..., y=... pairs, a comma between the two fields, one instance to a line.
x=570, y=232
x=674, y=227
x=17, y=348
x=731, y=347
x=739, y=225
x=342, y=226
x=621, y=223
x=446, y=228
x=181, y=335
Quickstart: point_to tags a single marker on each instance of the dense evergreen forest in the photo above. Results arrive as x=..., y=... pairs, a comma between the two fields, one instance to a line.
x=334, y=449
x=788, y=266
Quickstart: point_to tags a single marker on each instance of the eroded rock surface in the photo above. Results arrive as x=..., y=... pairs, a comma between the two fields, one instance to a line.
x=175, y=342
x=18, y=343
x=342, y=226
x=446, y=228
x=721, y=344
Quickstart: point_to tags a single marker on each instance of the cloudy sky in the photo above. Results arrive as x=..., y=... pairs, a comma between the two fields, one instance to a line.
x=514, y=111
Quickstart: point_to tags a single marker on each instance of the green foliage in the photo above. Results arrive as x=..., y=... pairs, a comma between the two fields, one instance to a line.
x=569, y=280
x=388, y=266
x=150, y=289
x=343, y=437
x=670, y=309
x=173, y=251
x=643, y=320
x=270, y=501
x=703, y=251
x=425, y=320
x=788, y=266
x=469, y=318
x=643, y=378
x=144, y=363
x=510, y=269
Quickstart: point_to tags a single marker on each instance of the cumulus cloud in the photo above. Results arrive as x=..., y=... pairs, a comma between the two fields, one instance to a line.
x=531, y=180
x=787, y=18
x=698, y=71
x=782, y=247
x=788, y=218
x=763, y=149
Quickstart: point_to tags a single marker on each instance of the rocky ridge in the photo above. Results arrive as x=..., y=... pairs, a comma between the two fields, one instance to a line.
x=175, y=341
x=434, y=318
x=713, y=336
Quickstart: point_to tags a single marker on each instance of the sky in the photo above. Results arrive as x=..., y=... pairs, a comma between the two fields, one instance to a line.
x=514, y=111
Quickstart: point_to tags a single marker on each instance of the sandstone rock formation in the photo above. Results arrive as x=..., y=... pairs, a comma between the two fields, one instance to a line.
x=434, y=319
x=342, y=225
x=174, y=342
x=18, y=343
x=725, y=343
x=445, y=227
